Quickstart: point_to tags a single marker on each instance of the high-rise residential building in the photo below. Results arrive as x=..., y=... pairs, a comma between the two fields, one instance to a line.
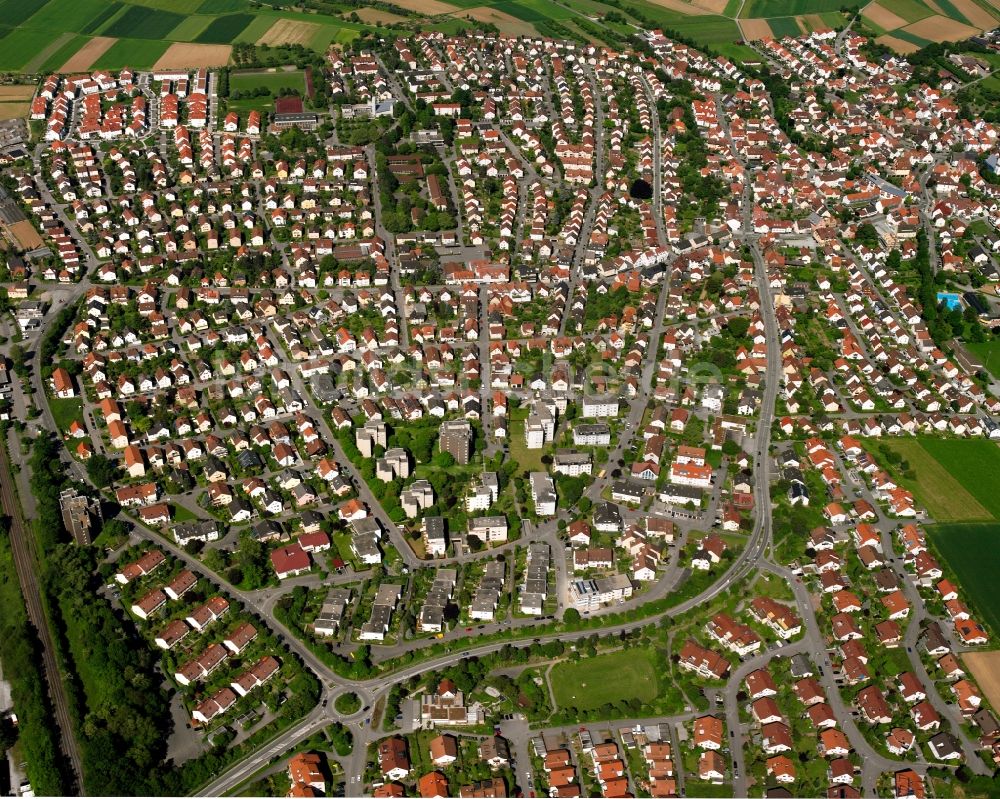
x=456, y=440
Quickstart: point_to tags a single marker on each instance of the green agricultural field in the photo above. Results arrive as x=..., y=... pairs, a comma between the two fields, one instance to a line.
x=605, y=679
x=972, y=552
x=54, y=46
x=951, y=12
x=20, y=46
x=140, y=22
x=256, y=29
x=224, y=30
x=547, y=8
x=956, y=480
x=13, y=13
x=784, y=26
x=519, y=10
x=61, y=16
x=177, y=6
x=134, y=53
x=222, y=6
x=910, y=10
x=63, y=54
x=910, y=37
x=96, y=23
x=450, y=25
x=328, y=34
x=783, y=8
x=709, y=30
x=974, y=463
x=592, y=8
x=190, y=28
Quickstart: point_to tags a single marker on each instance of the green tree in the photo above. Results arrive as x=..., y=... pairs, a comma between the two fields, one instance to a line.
x=444, y=460
x=101, y=470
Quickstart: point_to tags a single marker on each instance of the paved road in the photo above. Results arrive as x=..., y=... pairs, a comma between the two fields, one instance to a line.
x=754, y=555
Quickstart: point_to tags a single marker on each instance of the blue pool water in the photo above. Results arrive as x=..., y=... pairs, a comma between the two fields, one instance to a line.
x=952, y=301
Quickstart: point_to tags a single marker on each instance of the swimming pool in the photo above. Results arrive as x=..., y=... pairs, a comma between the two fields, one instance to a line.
x=951, y=301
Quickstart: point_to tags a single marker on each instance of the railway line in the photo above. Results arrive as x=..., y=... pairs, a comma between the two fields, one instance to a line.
x=25, y=560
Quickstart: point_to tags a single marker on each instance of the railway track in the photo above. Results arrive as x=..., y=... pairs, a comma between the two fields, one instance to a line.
x=25, y=560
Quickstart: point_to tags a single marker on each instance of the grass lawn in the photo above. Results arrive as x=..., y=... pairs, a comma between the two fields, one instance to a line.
x=989, y=353
x=770, y=585
x=708, y=790
x=182, y=514
x=529, y=460
x=590, y=683
x=950, y=479
x=972, y=552
x=342, y=541
x=66, y=411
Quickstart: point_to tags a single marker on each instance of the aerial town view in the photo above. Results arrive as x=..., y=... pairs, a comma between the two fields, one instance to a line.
x=488, y=398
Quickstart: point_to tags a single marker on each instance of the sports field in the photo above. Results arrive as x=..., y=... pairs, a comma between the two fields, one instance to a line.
x=972, y=552
x=590, y=683
x=251, y=79
x=25, y=233
x=957, y=480
x=275, y=81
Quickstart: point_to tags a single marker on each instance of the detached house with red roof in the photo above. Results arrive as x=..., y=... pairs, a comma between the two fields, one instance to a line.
x=290, y=561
